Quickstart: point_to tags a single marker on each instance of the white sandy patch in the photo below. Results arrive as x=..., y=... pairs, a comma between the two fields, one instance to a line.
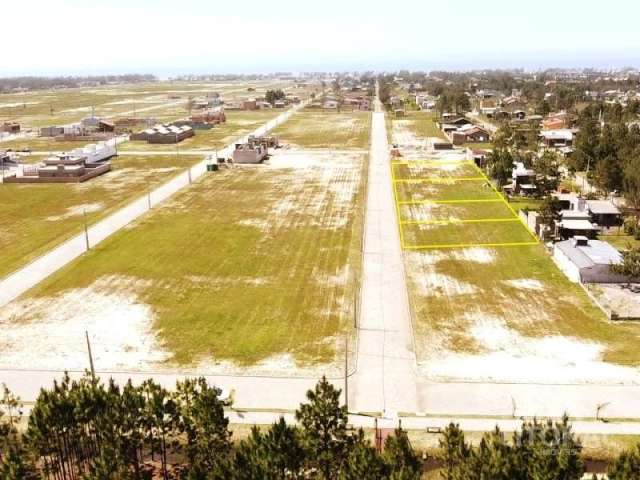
x=403, y=136
x=49, y=331
x=317, y=186
x=281, y=364
x=513, y=357
x=76, y=211
x=526, y=284
x=476, y=254
x=17, y=104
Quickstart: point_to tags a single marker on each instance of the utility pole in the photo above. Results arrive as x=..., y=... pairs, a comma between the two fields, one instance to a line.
x=93, y=371
x=86, y=230
x=346, y=372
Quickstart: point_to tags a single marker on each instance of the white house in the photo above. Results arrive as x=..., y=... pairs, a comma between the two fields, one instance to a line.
x=587, y=261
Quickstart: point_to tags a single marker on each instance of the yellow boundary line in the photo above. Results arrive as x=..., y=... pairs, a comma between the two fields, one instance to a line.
x=468, y=245
x=432, y=162
x=500, y=198
x=444, y=202
x=457, y=221
x=449, y=180
x=398, y=215
x=507, y=203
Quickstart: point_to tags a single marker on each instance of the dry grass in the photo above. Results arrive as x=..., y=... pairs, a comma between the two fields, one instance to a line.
x=36, y=217
x=327, y=130
x=246, y=264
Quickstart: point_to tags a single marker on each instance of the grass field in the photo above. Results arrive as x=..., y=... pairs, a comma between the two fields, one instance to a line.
x=52, y=107
x=36, y=217
x=413, y=129
x=237, y=125
x=485, y=311
x=310, y=129
x=248, y=265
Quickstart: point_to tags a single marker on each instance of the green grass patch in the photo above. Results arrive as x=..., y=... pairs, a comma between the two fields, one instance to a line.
x=243, y=265
x=420, y=125
x=419, y=235
x=445, y=191
x=418, y=170
x=559, y=308
x=454, y=211
x=36, y=217
x=327, y=130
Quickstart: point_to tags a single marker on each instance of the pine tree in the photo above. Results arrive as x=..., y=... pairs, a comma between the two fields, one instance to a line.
x=626, y=466
x=455, y=453
x=403, y=462
x=324, y=428
x=363, y=461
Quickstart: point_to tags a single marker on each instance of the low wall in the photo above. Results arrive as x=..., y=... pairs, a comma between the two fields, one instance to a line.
x=94, y=172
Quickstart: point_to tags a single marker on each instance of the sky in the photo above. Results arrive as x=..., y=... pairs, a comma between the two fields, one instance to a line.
x=171, y=37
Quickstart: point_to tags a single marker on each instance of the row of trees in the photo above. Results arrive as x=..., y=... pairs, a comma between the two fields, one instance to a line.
x=91, y=431
x=538, y=451
x=86, y=430
x=609, y=147
x=39, y=83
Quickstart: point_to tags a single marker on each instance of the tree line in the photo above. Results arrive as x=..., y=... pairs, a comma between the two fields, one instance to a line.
x=88, y=430
x=41, y=83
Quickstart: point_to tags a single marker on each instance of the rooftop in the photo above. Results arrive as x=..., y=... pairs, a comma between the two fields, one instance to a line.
x=595, y=252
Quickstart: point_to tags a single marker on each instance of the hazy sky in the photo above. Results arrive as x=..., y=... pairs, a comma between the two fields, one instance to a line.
x=201, y=36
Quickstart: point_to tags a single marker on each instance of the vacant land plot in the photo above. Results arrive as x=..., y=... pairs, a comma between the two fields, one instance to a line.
x=415, y=130
x=161, y=100
x=455, y=207
x=253, y=266
x=237, y=125
x=487, y=310
x=36, y=217
x=309, y=129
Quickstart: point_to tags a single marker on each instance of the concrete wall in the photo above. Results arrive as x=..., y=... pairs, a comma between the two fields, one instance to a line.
x=569, y=268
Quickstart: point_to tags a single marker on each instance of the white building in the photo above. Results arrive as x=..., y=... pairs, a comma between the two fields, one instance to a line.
x=587, y=261
x=95, y=153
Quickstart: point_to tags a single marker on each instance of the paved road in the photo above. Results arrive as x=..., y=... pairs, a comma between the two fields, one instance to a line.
x=385, y=378
x=30, y=275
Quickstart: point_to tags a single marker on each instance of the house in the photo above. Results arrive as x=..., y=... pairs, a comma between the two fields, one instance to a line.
x=106, y=126
x=557, y=138
x=587, y=261
x=64, y=168
x=249, y=104
x=267, y=141
x=53, y=131
x=399, y=113
x=459, y=122
x=279, y=104
x=164, y=134
x=523, y=180
x=604, y=213
x=469, y=134
x=601, y=212
x=10, y=127
x=519, y=114
x=557, y=121
x=249, y=153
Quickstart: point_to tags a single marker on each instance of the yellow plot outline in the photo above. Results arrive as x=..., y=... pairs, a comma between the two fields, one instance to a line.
x=499, y=198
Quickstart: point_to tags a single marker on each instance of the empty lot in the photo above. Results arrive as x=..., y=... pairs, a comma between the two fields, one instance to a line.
x=250, y=267
x=316, y=129
x=36, y=217
x=488, y=302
